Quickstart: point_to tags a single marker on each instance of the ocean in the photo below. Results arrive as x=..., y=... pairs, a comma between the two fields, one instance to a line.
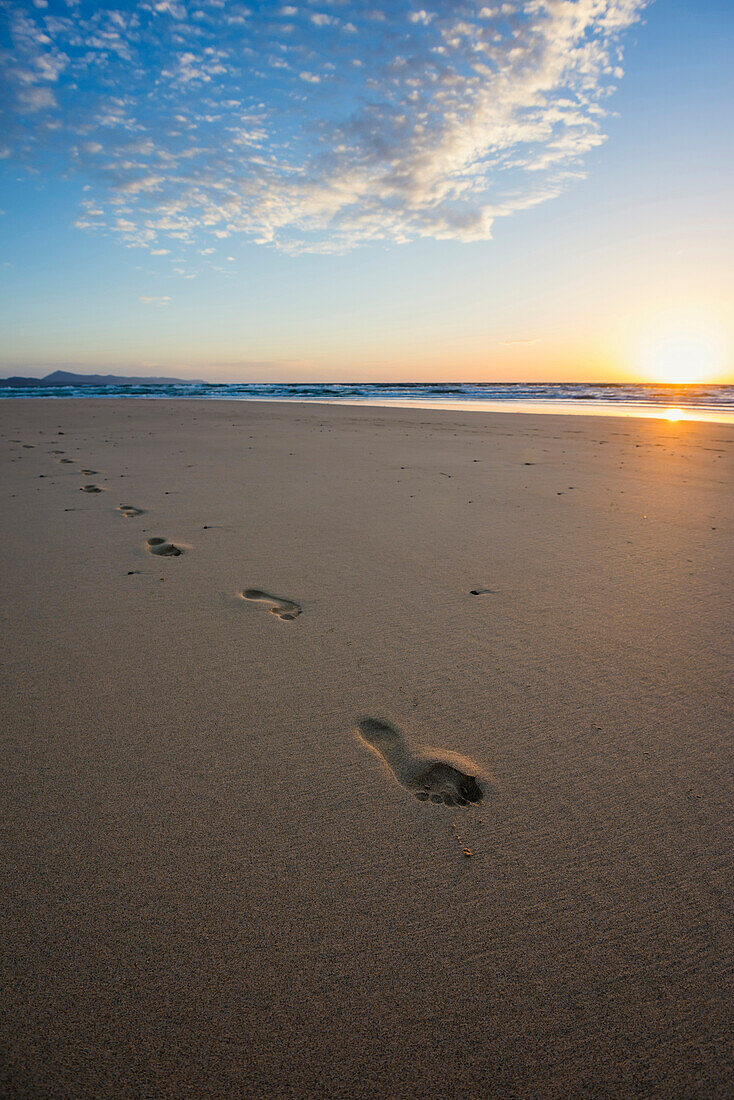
x=705, y=402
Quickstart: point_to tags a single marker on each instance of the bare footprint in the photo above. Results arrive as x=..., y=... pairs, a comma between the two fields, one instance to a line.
x=90, y=489
x=426, y=773
x=129, y=512
x=284, y=609
x=163, y=548
x=88, y=473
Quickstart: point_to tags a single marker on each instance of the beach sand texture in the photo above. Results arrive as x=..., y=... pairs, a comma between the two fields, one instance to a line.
x=399, y=767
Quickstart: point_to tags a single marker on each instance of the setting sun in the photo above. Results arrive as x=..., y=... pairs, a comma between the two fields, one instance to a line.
x=681, y=350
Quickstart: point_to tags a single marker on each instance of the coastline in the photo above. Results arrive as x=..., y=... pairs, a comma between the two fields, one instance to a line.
x=710, y=403
x=698, y=414
x=217, y=887
x=693, y=413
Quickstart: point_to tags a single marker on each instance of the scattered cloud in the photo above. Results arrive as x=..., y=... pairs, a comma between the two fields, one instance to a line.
x=34, y=99
x=148, y=300
x=421, y=17
x=311, y=128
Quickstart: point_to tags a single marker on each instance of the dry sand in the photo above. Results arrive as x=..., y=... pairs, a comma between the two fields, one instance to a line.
x=216, y=887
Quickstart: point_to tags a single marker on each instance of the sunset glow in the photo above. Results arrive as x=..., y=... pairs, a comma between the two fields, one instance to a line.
x=681, y=351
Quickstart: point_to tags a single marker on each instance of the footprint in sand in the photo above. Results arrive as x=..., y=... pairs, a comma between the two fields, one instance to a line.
x=284, y=609
x=88, y=473
x=426, y=773
x=483, y=592
x=163, y=548
x=90, y=489
x=66, y=461
x=128, y=511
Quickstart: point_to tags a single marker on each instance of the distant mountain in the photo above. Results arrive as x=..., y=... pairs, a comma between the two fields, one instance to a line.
x=64, y=378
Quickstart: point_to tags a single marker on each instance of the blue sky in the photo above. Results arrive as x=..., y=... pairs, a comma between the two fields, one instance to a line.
x=326, y=190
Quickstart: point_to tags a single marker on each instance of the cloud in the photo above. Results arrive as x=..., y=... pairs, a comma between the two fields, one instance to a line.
x=421, y=17
x=35, y=99
x=192, y=122
x=148, y=300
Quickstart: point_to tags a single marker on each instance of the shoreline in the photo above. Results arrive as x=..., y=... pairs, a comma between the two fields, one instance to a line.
x=687, y=413
x=696, y=414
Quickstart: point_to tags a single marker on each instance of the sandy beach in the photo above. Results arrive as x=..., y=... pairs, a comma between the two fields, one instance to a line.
x=226, y=872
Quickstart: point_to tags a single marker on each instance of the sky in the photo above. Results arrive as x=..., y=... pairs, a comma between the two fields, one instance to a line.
x=360, y=191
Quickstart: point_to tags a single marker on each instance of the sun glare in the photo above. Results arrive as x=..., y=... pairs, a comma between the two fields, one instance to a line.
x=681, y=351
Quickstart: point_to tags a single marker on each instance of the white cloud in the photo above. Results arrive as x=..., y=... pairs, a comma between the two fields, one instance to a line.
x=189, y=126
x=36, y=99
x=421, y=17
x=167, y=7
x=143, y=184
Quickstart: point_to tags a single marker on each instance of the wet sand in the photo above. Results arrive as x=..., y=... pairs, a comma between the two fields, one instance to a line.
x=359, y=752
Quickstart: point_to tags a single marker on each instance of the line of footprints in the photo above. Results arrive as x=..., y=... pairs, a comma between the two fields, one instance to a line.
x=429, y=775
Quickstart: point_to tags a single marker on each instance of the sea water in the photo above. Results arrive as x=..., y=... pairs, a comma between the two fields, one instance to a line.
x=709, y=402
